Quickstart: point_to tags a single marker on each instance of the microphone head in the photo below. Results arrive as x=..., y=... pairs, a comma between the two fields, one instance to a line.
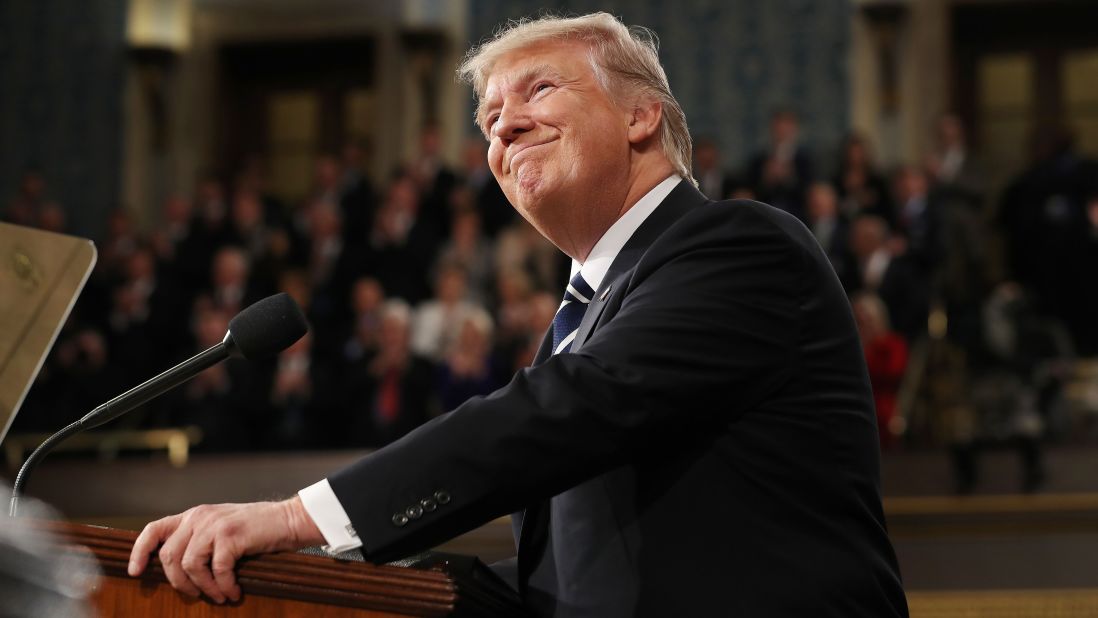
x=267, y=327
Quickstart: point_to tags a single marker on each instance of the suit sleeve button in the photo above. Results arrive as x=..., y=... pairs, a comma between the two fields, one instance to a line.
x=442, y=497
x=414, y=512
x=400, y=519
x=428, y=504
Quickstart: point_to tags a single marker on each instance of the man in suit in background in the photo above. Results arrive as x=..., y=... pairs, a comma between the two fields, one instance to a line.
x=696, y=436
x=780, y=174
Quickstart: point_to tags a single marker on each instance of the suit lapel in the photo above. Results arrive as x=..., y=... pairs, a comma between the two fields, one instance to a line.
x=681, y=199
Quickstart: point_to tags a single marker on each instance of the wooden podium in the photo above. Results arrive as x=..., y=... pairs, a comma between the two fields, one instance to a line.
x=289, y=585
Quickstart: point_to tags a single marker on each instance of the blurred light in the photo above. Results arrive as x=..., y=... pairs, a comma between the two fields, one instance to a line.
x=159, y=24
x=430, y=13
x=938, y=322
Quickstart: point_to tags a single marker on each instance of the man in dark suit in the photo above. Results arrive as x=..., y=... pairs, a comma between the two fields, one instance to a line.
x=696, y=436
x=780, y=174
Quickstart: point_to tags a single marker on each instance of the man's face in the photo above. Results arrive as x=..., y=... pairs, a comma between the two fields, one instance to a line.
x=783, y=128
x=558, y=141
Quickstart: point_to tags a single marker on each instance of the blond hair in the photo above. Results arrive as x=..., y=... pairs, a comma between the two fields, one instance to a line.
x=624, y=59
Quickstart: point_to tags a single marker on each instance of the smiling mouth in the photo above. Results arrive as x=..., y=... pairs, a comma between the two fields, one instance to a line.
x=511, y=161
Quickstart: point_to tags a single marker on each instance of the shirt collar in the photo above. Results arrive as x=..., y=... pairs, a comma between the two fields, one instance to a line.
x=606, y=249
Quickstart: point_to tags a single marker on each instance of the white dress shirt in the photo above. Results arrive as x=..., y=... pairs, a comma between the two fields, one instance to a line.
x=321, y=502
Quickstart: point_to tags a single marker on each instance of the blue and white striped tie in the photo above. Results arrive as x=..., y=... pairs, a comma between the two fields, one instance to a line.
x=570, y=314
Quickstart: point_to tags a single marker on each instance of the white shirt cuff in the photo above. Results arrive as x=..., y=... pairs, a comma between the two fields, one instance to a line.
x=323, y=506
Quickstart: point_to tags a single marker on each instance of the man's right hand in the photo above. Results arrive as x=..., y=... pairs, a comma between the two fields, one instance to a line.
x=200, y=547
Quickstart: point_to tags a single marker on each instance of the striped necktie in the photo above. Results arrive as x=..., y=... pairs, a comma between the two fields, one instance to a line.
x=567, y=320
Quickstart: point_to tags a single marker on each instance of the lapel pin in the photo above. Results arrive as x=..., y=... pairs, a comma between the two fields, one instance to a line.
x=605, y=293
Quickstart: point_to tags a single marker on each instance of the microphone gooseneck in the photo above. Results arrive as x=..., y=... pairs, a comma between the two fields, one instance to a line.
x=261, y=330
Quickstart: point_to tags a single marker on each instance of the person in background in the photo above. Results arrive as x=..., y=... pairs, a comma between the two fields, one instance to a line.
x=297, y=398
x=52, y=218
x=131, y=337
x=468, y=369
x=918, y=218
x=357, y=197
x=881, y=266
x=489, y=200
x=512, y=306
x=230, y=288
x=952, y=168
x=829, y=226
x=1043, y=214
x=438, y=321
x=26, y=207
x=402, y=244
x=247, y=226
x=468, y=248
x=209, y=232
x=122, y=239
x=886, y=359
x=326, y=193
x=861, y=188
x=391, y=392
x=780, y=174
x=542, y=307
x=332, y=266
x=367, y=299
x=521, y=247
x=713, y=181
x=224, y=400
x=434, y=180
x=173, y=228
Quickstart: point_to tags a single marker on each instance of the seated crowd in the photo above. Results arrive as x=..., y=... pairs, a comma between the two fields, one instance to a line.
x=431, y=290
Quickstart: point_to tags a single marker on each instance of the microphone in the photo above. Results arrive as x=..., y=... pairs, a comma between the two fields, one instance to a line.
x=261, y=330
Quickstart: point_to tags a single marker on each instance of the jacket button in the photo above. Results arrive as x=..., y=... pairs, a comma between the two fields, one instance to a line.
x=400, y=519
x=442, y=497
x=414, y=511
x=428, y=504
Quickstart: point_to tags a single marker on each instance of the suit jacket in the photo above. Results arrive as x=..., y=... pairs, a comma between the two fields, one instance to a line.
x=708, y=447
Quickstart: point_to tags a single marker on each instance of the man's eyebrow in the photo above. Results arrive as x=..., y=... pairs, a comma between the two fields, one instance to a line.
x=520, y=79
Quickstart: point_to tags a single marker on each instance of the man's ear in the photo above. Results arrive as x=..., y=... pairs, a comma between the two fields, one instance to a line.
x=645, y=122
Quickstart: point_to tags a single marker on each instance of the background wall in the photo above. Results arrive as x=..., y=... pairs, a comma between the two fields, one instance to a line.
x=62, y=109
x=60, y=105
x=784, y=52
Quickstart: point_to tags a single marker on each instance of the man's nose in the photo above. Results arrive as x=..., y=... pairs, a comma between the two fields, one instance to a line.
x=514, y=120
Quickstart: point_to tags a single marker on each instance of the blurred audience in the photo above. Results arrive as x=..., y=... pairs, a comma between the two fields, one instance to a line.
x=388, y=350
x=1016, y=381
